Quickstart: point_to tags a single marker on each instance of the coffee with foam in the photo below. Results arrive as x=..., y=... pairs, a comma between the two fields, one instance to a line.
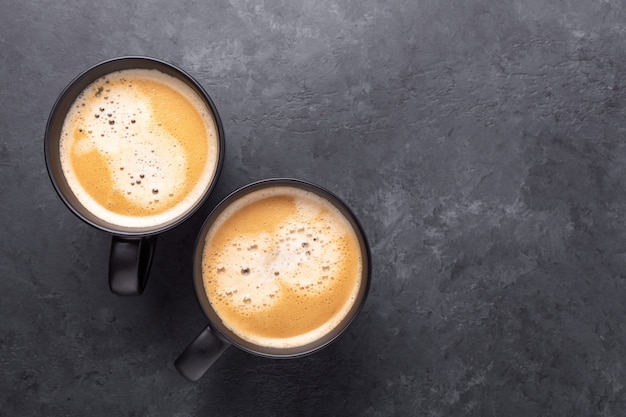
x=139, y=148
x=282, y=267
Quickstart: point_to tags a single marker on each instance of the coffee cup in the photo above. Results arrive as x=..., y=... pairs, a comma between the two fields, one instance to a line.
x=133, y=147
x=281, y=268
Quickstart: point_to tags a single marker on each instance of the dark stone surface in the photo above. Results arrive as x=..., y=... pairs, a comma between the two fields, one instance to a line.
x=481, y=143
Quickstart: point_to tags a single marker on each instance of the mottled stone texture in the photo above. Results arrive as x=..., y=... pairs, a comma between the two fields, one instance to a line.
x=480, y=142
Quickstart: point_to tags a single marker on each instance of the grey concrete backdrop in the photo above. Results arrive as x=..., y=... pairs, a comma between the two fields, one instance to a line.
x=480, y=142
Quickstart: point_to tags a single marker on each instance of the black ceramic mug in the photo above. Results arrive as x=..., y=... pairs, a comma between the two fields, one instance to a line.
x=143, y=123
x=281, y=269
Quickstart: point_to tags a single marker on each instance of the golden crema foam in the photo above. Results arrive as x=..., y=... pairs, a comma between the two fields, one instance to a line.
x=139, y=148
x=281, y=267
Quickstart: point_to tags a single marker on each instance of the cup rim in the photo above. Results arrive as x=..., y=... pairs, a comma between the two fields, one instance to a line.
x=215, y=323
x=69, y=94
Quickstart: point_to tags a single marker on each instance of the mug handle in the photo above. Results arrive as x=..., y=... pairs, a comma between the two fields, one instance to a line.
x=129, y=264
x=198, y=357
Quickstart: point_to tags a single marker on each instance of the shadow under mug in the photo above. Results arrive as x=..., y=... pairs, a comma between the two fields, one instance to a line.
x=207, y=347
x=132, y=248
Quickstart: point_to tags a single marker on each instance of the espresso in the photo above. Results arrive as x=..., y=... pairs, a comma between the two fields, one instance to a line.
x=139, y=148
x=282, y=267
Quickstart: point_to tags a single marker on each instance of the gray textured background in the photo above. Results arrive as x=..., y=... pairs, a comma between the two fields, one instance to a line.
x=481, y=143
